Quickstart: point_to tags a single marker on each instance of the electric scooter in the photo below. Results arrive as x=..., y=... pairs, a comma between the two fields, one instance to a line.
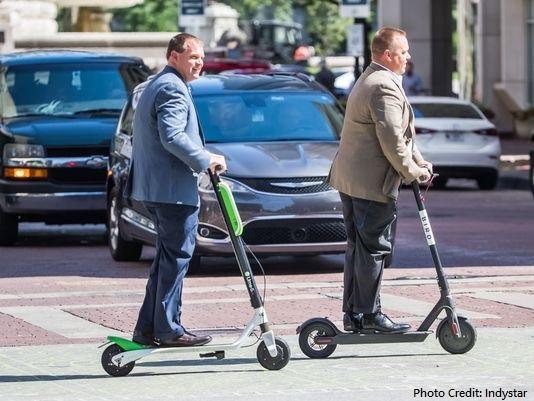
x=319, y=337
x=273, y=353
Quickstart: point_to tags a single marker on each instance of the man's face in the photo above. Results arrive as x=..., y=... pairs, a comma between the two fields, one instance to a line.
x=188, y=63
x=397, y=56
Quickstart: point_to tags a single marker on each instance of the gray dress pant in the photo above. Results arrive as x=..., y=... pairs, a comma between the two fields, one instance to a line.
x=369, y=241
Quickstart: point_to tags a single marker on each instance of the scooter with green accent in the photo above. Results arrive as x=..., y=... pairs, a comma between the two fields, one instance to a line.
x=273, y=353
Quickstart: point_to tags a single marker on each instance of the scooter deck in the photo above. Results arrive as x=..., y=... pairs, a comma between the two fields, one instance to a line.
x=363, y=338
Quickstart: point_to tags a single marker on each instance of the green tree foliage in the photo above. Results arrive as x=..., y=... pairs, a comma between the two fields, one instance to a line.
x=324, y=25
x=149, y=16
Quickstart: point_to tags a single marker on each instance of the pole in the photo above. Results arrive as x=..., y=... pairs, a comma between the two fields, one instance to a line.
x=366, y=49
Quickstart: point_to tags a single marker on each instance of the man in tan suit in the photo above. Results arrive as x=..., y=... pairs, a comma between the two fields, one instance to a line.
x=376, y=152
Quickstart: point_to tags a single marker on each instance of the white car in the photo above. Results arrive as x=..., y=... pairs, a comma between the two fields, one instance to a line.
x=457, y=139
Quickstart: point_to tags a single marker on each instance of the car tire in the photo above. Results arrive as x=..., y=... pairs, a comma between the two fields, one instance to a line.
x=439, y=182
x=9, y=229
x=194, y=265
x=488, y=181
x=531, y=171
x=121, y=249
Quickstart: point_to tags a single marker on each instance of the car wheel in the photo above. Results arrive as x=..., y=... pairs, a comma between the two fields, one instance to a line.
x=121, y=249
x=9, y=229
x=531, y=171
x=194, y=265
x=488, y=182
x=439, y=182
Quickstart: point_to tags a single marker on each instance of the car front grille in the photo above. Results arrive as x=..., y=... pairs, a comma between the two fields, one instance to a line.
x=289, y=186
x=76, y=151
x=77, y=175
x=294, y=231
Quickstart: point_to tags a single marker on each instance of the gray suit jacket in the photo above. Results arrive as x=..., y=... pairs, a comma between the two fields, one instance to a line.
x=377, y=147
x=168, y=150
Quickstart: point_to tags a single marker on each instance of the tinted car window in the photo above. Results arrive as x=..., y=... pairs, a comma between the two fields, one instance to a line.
x=59, y=89
x=126, y=121
x=444, y=110
x=267, y=116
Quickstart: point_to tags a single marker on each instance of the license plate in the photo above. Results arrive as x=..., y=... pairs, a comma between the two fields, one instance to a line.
x=454, y=136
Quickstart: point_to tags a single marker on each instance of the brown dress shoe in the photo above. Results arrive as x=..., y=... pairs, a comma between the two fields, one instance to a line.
x=185, y=340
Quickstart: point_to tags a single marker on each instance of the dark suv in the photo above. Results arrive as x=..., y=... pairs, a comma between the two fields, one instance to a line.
x=279, y=134
x=58, y=112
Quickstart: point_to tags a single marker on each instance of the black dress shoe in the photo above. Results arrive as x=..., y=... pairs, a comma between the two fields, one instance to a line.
x=185, y=340
x=352, y=321
x=378, y=322
x=143, y=339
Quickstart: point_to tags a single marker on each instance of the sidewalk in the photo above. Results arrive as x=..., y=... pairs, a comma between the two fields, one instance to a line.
x=498, y=300
x=501, y=360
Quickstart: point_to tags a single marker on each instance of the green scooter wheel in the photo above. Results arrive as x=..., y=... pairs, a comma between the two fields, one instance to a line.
x=112, y=369
x=279, y=361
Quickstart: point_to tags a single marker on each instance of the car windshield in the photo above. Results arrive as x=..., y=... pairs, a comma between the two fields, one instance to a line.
x=444, y=110
x=62, y=89
x=269, y=117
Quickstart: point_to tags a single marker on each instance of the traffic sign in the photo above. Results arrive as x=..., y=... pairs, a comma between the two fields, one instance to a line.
x=355, y=40
x=355, y=8
x=192, y=13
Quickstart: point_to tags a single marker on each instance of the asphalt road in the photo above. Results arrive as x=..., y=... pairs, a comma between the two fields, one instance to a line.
x=471, y=227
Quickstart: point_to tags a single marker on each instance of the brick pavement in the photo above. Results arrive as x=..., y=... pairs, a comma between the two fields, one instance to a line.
x=43, y=360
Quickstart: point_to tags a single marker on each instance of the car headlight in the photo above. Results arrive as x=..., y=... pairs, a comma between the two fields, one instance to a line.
x=204, y=184
x=21, y=150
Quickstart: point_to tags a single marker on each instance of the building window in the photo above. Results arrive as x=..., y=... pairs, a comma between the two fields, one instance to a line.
x=530, y=49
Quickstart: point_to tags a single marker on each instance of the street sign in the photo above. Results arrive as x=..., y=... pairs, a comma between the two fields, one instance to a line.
x=355, y=8
x=355, y=40
x=192, y=13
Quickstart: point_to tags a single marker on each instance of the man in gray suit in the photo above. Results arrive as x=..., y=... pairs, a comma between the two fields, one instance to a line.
x=377, y=151
x=168, y=153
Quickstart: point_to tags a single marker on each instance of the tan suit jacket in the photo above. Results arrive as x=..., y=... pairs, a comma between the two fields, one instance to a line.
x=377, y=148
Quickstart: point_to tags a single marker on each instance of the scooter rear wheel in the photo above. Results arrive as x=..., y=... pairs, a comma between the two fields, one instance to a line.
x=453, y=344
x=307, y=340
x=112, y=369
x=279, y=361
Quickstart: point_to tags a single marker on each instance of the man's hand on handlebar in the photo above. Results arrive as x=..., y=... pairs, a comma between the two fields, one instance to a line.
x=427, y=174
x=217, y=164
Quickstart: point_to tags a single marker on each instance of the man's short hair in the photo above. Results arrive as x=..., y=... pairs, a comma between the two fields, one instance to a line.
x=383, y=40
x=177, y=43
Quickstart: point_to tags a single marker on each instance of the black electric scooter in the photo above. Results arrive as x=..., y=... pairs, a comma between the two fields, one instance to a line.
x=273, y=353
x=319, y=337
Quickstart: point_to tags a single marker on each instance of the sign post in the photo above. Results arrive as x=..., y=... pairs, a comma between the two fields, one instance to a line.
x=357, y=34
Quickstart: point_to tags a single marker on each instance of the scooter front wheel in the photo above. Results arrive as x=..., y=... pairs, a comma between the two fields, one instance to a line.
x=112, y=369
x=453, y=344
x=307, y=340
x=279, y=361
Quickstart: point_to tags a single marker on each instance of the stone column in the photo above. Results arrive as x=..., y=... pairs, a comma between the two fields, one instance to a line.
x=31, y=17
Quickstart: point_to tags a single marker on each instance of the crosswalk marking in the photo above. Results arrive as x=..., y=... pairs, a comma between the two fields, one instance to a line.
x=511, y=298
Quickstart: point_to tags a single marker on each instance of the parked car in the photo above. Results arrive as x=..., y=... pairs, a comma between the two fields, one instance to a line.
x=458, y=139
x=58, y=112
x=241, y=66
x=279, y=134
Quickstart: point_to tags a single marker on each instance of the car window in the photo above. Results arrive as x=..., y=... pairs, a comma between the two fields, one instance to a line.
x=59, y=89
x=268, y=116
x=126, y=121
x=444, y=110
